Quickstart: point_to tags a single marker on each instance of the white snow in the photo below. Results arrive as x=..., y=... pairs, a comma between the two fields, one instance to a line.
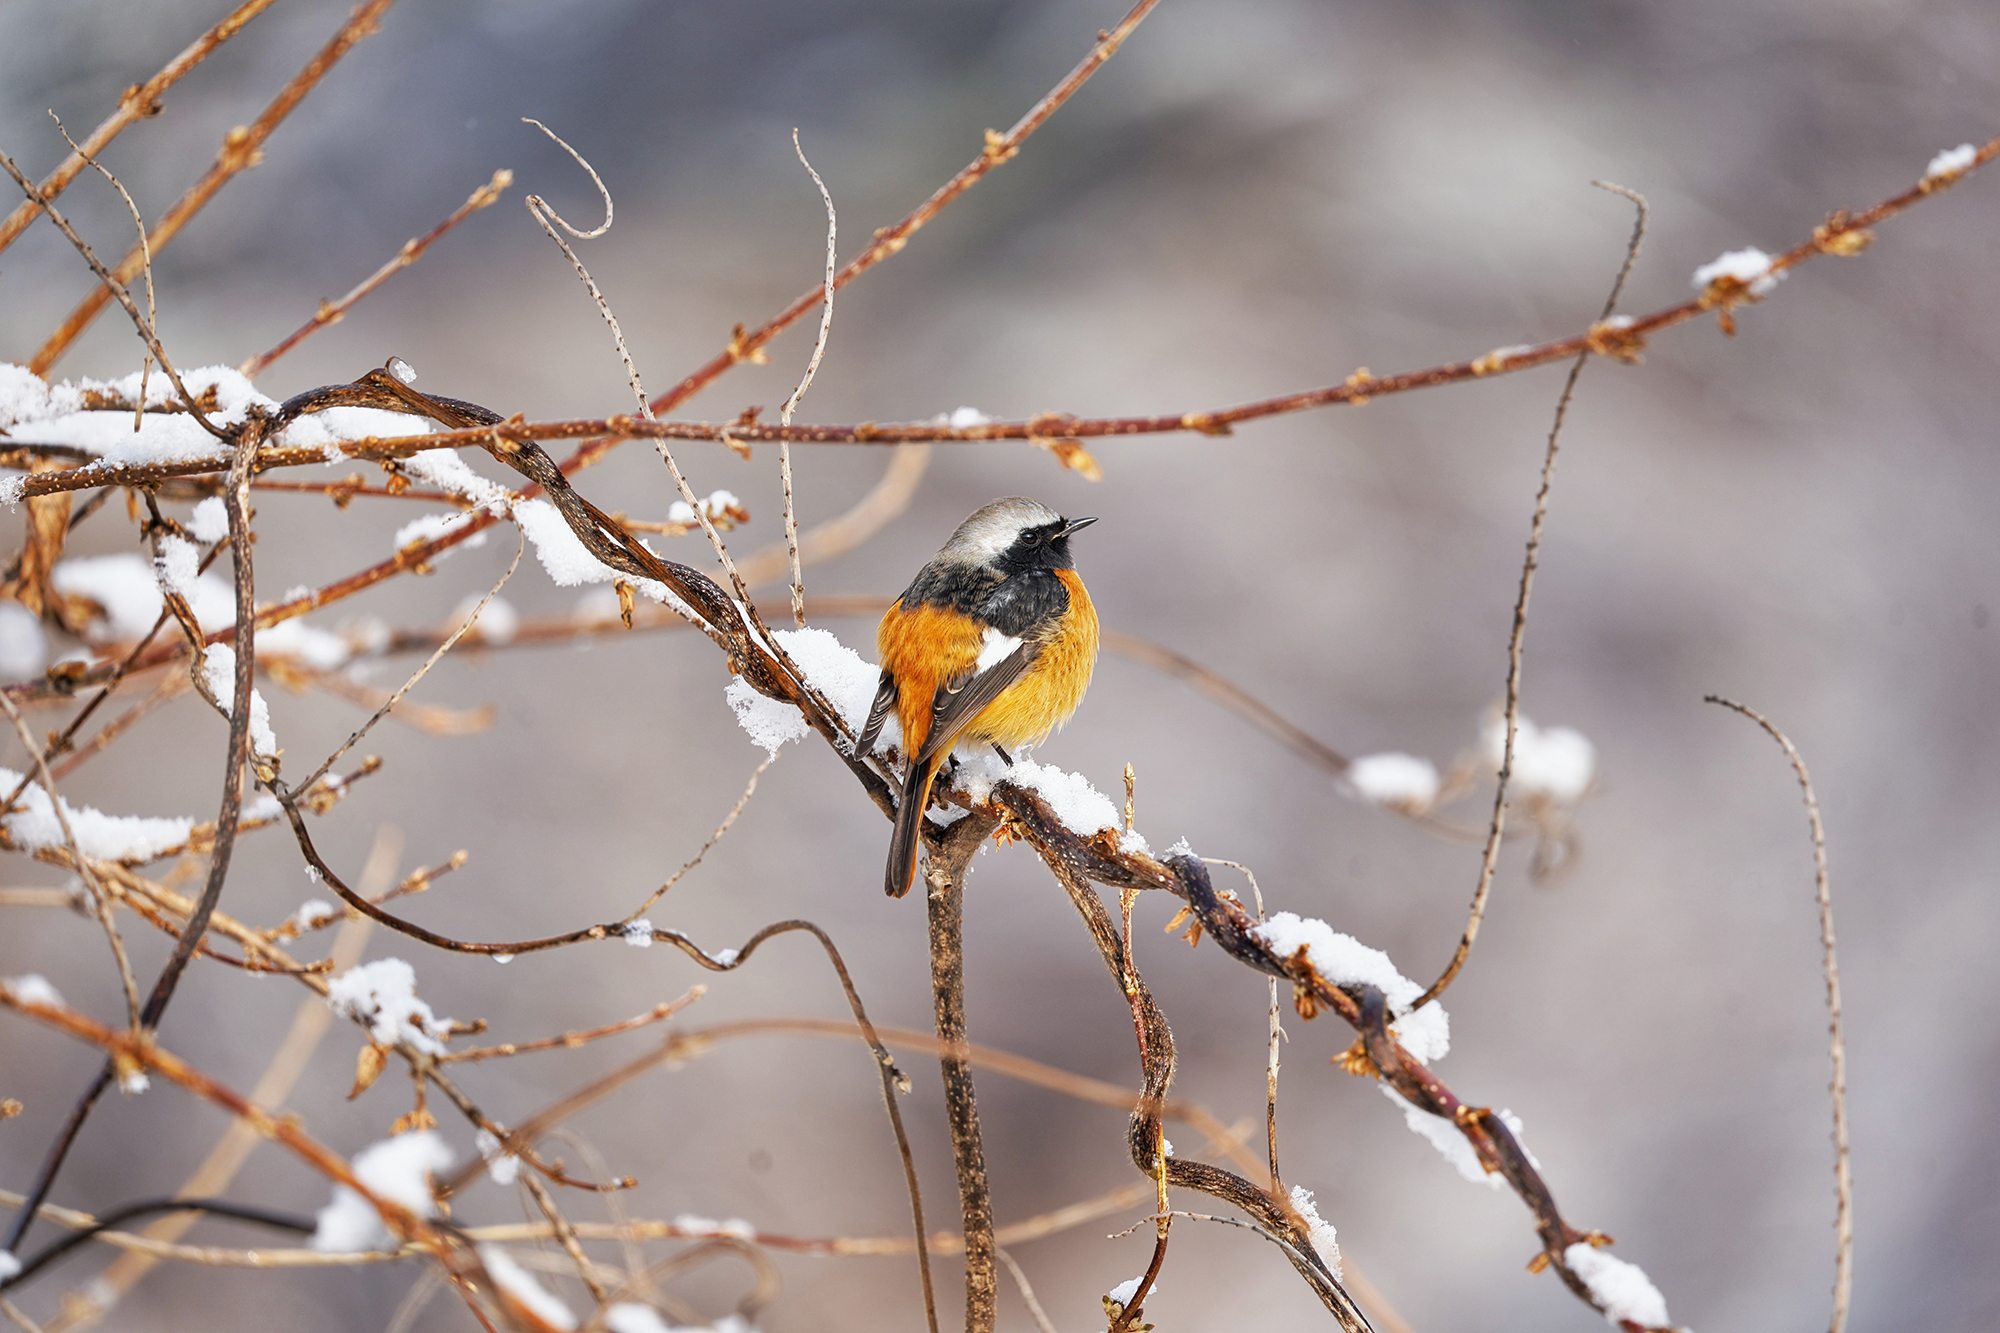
x=638, y=934
x=726, y=957
x=1749, y=266
x=497, y=624
x=178, y=565
x=383, y=994
x=1400, y=781
x=444, y=469
x=125, y=586
x=518, y=1283
x=432, y=526
x=24, y=647
x=396, y=1170
x=127, y=838
x=33, y=988
x=1451, y=1142
x=133, y=1082
x=1321, y=1230
x=1951, y=161
x=715, y=504
x=629, y=1317
x=1345, y=961
x=1080, y=807
x=768, y=722
x=319, y=649
x=693, y=1224
x=326, y=430
x=11, y=1267
x=501, y=1167
x=402, y=370
x=218, y=668
x=210, y=520
x=841, y=676
x=569, y=562
x=1129, y=1288
x=312, y=914
x=1622, y=1289
x=964, y=418
x=1558, y=763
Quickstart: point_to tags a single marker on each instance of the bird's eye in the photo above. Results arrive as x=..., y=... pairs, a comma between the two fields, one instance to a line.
x=1032, y=538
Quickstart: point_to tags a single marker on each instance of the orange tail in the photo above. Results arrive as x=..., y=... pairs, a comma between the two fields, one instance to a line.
x=902, y=871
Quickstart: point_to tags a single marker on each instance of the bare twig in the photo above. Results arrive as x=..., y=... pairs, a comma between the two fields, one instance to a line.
x=805, y=382
x=146, y=253
x=241, y=148
x=134, y=104
x=470, y=620
x=1040, y=1315
x=1843, y=1179
x=99, y=897
x=332, y=312
x=1516, y=638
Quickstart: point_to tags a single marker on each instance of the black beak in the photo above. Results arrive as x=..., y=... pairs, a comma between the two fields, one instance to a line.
x=1076, y=525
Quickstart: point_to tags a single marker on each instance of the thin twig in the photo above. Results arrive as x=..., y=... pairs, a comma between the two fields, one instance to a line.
x=1517, y=635
x=805, y=382
x=145, y=251
x=135, y=104
x=113, y=286
x=99, y=896
x=749, y=789
x=422, y=671
x=1843, y=1179
x=1040, y=1315
x=241, y=148
x=332, y=312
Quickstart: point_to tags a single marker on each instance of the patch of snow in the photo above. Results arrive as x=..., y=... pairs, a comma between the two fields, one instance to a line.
x=397, y=1170
x=209, y=522
x=638, y=934
x=126, y=838
x=383, y=995
x=1951, y=162
x=218, y=668
x=502, y=1168
x=1321, y=1231
x=33, y=988
x=518, y=1283
x=1749, y=266
x=24, y=647
x=1622, y=1289
x=1558, y=763
x=1400, y=781
x=1345, y=961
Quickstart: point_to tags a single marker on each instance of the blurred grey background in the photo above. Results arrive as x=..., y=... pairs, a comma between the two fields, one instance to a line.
x=1255, y=196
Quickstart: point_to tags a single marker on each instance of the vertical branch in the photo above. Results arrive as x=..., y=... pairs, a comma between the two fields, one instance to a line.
x=1496, y=829
x=805, y=382
x=944, y=874
x=235, y=494
x=1843, y=1179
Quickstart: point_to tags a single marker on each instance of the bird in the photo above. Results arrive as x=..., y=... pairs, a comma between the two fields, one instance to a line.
x=992, y=644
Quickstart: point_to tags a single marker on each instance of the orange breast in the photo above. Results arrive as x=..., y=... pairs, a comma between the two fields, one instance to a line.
x=929, y=645
x=1044, y=698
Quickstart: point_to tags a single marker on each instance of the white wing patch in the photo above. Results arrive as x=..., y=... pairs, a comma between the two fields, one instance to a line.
x=994, y=648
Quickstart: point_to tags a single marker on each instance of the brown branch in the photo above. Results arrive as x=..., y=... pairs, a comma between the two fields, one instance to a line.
x=747, y=344
x=1517, y=634
x=413, y=250
x=241, y=148
x=135, y=103
x=944, y=880
x=1843, y=1178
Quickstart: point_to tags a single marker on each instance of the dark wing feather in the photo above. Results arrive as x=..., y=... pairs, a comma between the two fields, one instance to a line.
x=878, y=713
x=959, y=701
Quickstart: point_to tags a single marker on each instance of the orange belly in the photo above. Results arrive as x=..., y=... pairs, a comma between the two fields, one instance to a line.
x=928, y=645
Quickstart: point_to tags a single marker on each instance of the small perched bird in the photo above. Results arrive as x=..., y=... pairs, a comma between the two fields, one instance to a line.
x=992, y=643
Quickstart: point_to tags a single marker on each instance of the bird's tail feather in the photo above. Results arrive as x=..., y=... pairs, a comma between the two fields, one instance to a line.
x=902, y=870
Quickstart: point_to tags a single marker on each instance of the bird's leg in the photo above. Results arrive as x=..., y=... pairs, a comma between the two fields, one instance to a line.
x=1001, y=750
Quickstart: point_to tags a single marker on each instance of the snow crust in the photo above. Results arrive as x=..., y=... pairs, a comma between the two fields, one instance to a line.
x=517, y=1282
x=1558, y=763
x=501, y=1167
x=1451, y=1143
x=1622, y=1289
x=24, y=648
x=1321, y=1230
x=383, y=994
x=1345, y=961
x=1951, y=161
x=33, y=988
x=209, y=522
x=638, y=934
x=1399, y=781
x=396, y=1170
x=218, y=668
x=1749, y=266
x=126, y=838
